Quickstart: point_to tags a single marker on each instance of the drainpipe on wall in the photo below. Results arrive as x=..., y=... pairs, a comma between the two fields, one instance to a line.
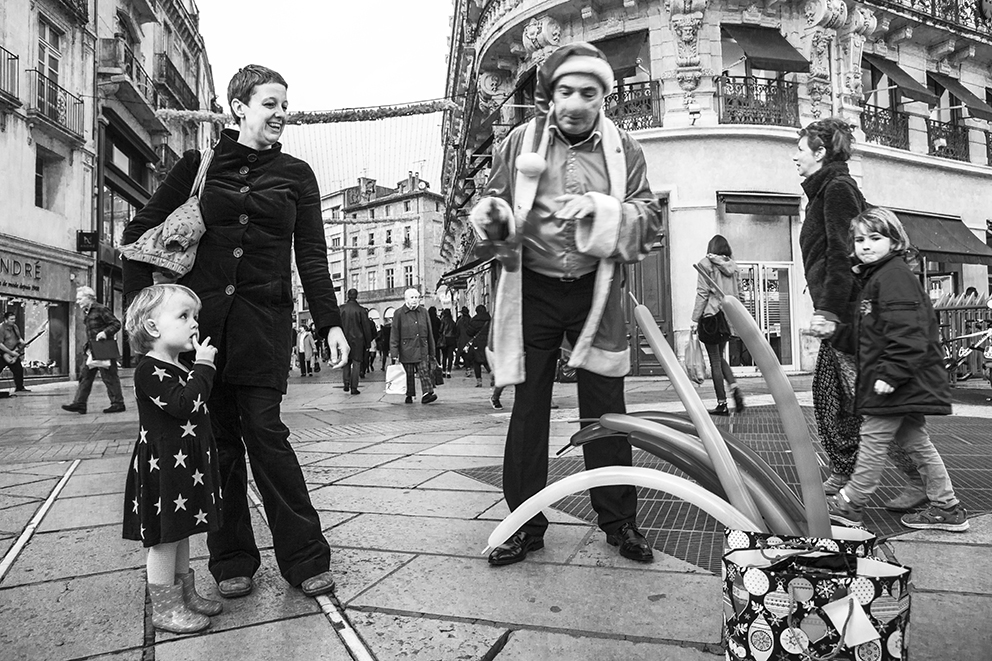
x=98, y=133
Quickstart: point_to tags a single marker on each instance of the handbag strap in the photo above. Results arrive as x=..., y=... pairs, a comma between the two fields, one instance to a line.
x=206, y=155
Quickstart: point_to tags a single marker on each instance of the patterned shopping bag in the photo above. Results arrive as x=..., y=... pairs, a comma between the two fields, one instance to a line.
x=851, y=541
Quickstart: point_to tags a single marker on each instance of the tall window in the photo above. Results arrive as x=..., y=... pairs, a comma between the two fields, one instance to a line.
x=39, y=181
x=336, y=242
x=49, y=50
x=354, y=281
x=371, y=280
x=389, y=236
x=117, y=213
x=390, y=278
x=372, y=214
x=406, y=236
x=408, y=276
x=371, y=238
x=406, y=205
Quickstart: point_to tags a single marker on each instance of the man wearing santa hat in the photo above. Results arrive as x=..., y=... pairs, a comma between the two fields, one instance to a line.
x=568, y=204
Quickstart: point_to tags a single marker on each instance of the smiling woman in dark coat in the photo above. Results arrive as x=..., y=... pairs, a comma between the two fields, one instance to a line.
x=259, y=206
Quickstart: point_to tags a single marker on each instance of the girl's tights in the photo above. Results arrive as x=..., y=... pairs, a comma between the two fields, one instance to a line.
x=164, y=561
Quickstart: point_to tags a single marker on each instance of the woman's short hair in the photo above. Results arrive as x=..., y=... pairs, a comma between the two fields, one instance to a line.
x=886, y=223
x=143, y=307
x=832, y=134
x=718, y=245
x=244, y=82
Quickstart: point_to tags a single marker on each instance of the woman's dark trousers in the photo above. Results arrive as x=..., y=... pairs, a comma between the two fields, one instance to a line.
x=553, y=309
x=247, y=418
x=719, y=369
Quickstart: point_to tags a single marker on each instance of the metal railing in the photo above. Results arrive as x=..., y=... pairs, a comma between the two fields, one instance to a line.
x=635, y=106
x=8, y=73
x=988, y=147
x=752, y=100
x=948, y=140
x=117, y=54
x=963, y=13
x=884, y=126
x=167, y=74
x=77, y=8
x=55, y=103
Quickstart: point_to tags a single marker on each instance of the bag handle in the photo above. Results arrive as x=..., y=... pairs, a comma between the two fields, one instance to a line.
x=200, y=182
x=806, y=654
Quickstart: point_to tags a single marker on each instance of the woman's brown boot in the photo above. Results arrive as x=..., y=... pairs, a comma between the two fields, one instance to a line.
x=192, y=598
x=169, y=612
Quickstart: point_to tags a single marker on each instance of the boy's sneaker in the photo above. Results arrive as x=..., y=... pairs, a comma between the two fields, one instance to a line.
x=952, y=519
x=495, y=402
x=833, y=484
x=845, y=512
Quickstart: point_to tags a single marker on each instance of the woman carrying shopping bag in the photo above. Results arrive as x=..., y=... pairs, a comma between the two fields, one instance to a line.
x=711, y=324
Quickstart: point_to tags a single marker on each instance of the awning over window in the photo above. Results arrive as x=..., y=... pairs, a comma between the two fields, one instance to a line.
x=465, y=271
x=976, y=106
x=766, y=48
x=761, y=204
x=622, y=52
x=945, y=239
x=908, y=85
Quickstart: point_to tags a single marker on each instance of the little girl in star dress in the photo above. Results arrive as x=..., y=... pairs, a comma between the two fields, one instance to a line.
x=173, y=484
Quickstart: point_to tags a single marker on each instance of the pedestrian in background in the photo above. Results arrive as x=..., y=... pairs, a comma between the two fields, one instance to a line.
x=355, y=324
x=462, y=323
x=411, y=342
x=833, y=201
x=261, y=207
x=901, y=377
x=382, y=341
x=475, y=350
x=174, y=460
x=449, y=341
x=100, y=324
x=368, y=365
x=710, y=322
x=576, y=186
x=12, y=342
x=436, y=330
x=304, y=350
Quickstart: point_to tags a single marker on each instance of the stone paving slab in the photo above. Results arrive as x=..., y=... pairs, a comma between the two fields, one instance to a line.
x=72, y=553
x=406, y=478
x=526, y=645
x=84, y=512
x=357, y=570
x=10, y=500
x=595, y=552
x=9, y=479
x=567, y=599
x=500, y=511
x=357, y=460
x=443, y=462
x=37, y=487
x=14, y=519
x=947, y=568
x=318, y=476
x=73, y=618
x=336, y=446
x=455, y=482
x=950, y=626
x=309, y=637
x=82, y=484
x=403, y=638
x=113, y=465
x=402, y=501
x=407, y=448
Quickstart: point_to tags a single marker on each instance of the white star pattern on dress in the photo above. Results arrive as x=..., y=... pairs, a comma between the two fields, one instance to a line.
x=197, y=477
x=153, y=464
x=135, y=501
x=201, y=517
x=182, y=382
x=180, y=503
x=158, y=506
x=135, y=464
x=180, y=459
x=188, y=429
x=142, y=532
x=161, y=374
x=197, y=403
x=144, y=435
x=158, y=402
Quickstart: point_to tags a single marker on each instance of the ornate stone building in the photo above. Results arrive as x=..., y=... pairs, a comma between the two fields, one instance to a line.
x=715, y=92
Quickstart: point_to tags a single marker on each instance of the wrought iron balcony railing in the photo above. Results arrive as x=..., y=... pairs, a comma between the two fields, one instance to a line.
x=948, y=140
x=8, y=73
x=635, y=106
x=167, y=74
x=55, y=103
x=963, y=13
x=117, y=54
x=752, y=100
x=883, y=126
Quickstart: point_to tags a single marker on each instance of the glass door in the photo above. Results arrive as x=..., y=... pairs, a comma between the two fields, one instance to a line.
x=766, y=292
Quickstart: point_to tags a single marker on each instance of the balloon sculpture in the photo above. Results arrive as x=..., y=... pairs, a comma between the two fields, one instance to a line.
x=732, y=484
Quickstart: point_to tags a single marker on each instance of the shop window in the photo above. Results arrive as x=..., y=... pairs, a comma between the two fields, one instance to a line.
x=117, y=213
x=49, y=353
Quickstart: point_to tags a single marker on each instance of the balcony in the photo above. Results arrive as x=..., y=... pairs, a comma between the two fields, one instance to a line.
x=77, y=9
x=134, y=86
x=167, y=75
x=954, y=13
x=8, y=80
x=886, y=127
x=60, y=111
x=752, y=100
x=948, y=140
x=634, y=106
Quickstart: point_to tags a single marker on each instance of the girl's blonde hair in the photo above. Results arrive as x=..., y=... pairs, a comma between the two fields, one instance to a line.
x=143, y=307
x=884, y=222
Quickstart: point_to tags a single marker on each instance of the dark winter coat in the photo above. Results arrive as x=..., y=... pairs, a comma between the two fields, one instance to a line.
x=834, y=199
x=355, y=324
x=478, y=332
x=463, y=323
x=99, y=318
x=412, y=338
x=897, y=343
x=259, y=207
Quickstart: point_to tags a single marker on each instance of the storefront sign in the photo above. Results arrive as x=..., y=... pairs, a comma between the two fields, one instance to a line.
x=19, y=274
x=86, y=241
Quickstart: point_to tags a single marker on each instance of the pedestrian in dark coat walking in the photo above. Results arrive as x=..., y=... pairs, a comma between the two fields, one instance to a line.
x=101, y=324
x=355, y=324
x=411, y=342
x=462, y=324
x=475, y=351
x=260, y=206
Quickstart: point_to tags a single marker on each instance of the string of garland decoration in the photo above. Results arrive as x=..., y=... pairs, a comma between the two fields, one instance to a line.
x=368, y=114
x=373, y=221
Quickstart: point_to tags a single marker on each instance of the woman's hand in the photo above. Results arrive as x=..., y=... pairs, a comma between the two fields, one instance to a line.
x=882, y=388
x=822, y=327
x=337, y=343
x=575, y=206
x=693, y=326
x=102, y=335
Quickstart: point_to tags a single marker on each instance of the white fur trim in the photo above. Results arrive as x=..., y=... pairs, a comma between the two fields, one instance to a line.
x=589, y=65
x=481, y=219
x=607, y=363
x=598, y=236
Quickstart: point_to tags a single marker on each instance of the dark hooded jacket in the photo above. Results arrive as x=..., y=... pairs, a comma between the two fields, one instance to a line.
x=897, y=343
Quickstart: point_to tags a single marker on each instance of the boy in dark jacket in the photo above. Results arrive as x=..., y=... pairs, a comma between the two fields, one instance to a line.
x=901, y=377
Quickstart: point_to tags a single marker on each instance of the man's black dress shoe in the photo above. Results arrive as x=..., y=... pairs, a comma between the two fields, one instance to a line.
x=74, y=408
x=632, y=543
x=515, y=549
x=115, y=408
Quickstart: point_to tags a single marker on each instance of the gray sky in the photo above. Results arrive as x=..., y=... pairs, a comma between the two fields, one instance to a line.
x=342, y=54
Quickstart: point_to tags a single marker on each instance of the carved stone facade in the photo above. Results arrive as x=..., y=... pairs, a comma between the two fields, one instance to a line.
x=686, y=23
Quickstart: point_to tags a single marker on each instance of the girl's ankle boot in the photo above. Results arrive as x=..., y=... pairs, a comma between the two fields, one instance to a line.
x=169, y=612
x=478, y=382
x=721, y=409
x=192, y=598
x=738, y=399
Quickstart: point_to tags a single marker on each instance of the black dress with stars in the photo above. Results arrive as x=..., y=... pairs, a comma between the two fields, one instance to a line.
x=173, y=482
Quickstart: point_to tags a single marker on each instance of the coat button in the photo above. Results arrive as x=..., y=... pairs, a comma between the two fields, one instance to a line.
x=229, y=290
x=238, y=252
x=252, y=158
x=245, y=189
x=244, y=169
x=243, y=219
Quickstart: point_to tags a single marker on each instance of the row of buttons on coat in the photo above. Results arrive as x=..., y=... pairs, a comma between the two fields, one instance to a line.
x=243, y=218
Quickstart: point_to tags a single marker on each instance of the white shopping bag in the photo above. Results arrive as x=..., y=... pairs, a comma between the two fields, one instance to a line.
x=395, y=380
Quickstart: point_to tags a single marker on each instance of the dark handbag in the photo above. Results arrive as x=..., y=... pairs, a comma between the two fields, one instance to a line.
x=714, y=329
x=438, y=374
x=104, y=349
